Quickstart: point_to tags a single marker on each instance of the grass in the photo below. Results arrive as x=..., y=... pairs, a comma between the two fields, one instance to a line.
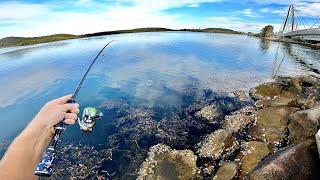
x=23, y=41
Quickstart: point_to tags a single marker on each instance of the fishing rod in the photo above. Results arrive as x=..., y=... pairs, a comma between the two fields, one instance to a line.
x=44, y=168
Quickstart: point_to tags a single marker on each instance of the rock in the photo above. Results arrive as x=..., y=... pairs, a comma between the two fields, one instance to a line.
x=166, y=163
x=271, y=125
x=209, y=113
x=239, y=120
x=294, y=162
x=227, y=171
x=217, y=144
x=253, y=152
x=271, y=90
x=240, y=95
x=303, y=125
x=276, y=101
x=303, y=92
x=309, y=98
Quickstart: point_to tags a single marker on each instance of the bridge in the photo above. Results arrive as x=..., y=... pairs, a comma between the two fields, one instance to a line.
x=296, y=26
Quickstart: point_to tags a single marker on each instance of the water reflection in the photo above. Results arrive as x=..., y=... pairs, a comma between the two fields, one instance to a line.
x=165, y=70
x=265, y=44
x=307, y=59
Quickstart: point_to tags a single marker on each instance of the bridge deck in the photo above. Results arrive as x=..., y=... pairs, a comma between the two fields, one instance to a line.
x=303, y=32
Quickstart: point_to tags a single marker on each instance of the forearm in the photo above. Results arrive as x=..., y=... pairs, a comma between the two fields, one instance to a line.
x=25, y=152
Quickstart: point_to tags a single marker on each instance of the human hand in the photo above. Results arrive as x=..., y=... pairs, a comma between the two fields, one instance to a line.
x=54, y=112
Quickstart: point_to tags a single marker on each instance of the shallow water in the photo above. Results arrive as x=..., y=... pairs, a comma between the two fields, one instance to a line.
x=154, y=70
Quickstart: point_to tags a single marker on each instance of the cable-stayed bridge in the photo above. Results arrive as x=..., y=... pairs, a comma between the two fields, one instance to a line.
x=296, y=26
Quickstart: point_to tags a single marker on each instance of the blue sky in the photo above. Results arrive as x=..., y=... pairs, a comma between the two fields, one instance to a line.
x=39, y=17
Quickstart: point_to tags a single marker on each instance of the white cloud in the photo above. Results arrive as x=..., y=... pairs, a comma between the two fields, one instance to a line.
x=303, y=8
x=23, y=19
x=309, y=9
x=281, y=12
x=238, y=24
x=17, y=11
x=248, y=12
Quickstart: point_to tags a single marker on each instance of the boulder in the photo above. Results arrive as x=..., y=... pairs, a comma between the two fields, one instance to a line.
x=227, y=171
x=298, y=161
x=303, y=125
x=284, y=87
x=166, y=163
x=251, y=154
x=217, y=144
x=271, y=125
x=276, y=101
x=309, y=98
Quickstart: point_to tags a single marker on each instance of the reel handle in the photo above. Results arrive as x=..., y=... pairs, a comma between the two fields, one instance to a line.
x=44, y=167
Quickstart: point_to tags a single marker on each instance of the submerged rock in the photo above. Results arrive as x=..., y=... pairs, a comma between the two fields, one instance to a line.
x=227, y=171
x=209, y=113
x=271, y=125
x=294, y=162
x=240, y=95
x=166, y=163
x=304, y=125
x=217, y=144
x=239, y=120
x=253, y=152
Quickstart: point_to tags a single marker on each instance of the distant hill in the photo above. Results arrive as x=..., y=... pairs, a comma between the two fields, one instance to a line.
x=214, y=30
x=23, y=41
x=149, y=29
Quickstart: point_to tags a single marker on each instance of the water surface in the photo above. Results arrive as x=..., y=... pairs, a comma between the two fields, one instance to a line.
x=154, y=70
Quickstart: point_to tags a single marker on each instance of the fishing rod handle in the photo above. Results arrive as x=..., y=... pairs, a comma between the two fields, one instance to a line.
x=44, y=167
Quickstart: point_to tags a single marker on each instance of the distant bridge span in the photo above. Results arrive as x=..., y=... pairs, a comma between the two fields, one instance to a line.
x=312, y=34
x=291, y=27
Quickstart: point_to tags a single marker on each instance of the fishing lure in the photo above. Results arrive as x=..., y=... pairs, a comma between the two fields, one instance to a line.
x=89, y=117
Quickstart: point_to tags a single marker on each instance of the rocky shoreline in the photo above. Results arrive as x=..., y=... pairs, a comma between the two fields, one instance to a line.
x=272, y=139
x=268, y=135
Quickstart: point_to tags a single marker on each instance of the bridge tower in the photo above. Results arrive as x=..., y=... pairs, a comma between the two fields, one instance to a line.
x=290, y=21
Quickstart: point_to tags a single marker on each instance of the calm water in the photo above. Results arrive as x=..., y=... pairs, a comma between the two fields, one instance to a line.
x=150, y=69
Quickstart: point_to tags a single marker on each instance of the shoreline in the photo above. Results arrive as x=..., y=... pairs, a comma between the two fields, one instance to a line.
x=26, y=41
x=286, y=40
x=274, y=137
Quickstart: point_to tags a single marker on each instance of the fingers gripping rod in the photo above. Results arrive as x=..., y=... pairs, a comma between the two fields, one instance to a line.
x=44, y=168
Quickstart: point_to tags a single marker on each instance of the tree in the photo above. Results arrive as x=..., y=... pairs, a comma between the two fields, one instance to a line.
x=267, y=31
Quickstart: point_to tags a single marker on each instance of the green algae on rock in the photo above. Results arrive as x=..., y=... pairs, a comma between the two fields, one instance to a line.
x=166, y=163
x=216, y=144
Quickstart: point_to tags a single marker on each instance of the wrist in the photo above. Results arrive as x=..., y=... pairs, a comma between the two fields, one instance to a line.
x=37, y=130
